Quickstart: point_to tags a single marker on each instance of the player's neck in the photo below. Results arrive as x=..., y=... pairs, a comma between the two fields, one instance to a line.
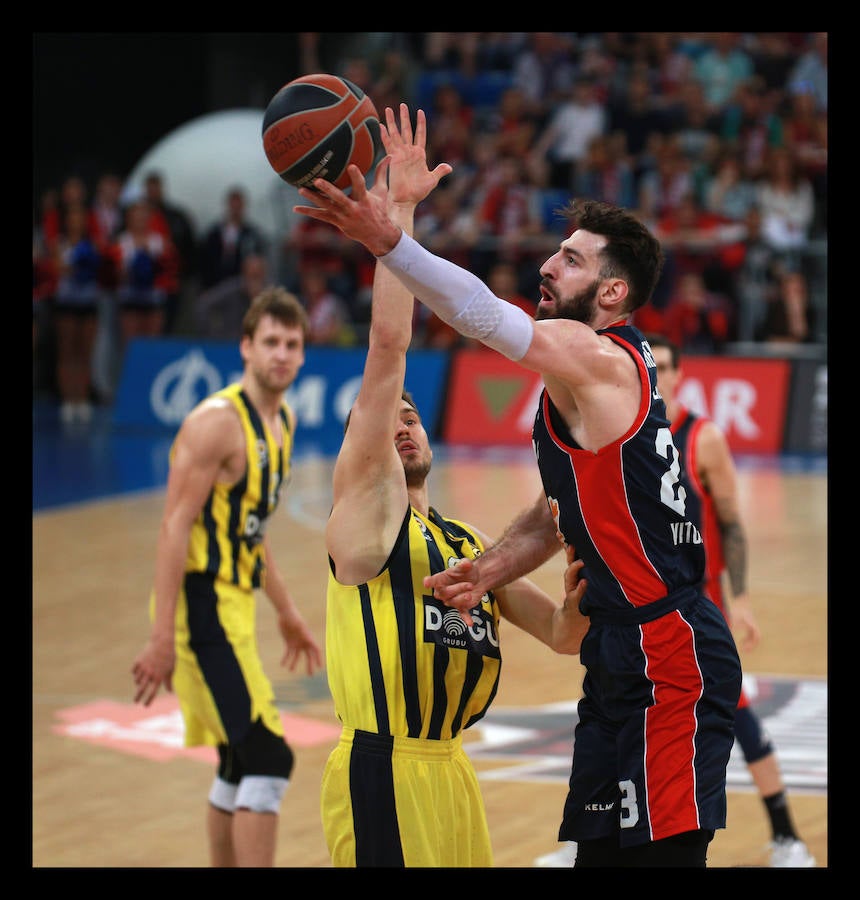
x=419, y=498
x=266, y=402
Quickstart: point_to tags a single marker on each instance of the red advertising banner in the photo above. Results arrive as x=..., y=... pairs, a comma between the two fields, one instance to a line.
x=491, y=400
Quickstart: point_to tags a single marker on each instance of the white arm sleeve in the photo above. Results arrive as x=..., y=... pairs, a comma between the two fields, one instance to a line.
x=460, y=298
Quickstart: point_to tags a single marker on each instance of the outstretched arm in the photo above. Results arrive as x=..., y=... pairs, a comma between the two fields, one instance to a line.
x=528, y=542
x=369, y=485
x=719, y=476
x=457, y=296
x=561, y=628
x=298, y=639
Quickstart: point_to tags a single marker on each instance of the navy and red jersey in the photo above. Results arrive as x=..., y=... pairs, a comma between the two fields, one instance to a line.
x=685, y=431
x=623, y=508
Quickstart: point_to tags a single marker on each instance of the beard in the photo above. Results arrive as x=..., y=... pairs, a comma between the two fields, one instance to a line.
x=579, y=308
x=416, y=471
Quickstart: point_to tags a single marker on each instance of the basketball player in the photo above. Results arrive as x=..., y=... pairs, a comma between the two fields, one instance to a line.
x=229, y=463
x=406, y=674
x=663, y=677
x=709, y=475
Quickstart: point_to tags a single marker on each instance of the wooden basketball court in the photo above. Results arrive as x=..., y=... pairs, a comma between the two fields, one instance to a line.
x=113, y=788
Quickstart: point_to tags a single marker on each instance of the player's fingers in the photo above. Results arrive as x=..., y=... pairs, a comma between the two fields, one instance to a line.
x=405, y=124
x=395, y=135
x=381, y=177
x=420, y=126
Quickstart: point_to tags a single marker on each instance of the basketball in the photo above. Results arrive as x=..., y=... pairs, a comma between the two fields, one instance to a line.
x=316, y=125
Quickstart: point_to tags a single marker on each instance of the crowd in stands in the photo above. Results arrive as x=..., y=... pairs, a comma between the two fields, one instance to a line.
x=717, y=139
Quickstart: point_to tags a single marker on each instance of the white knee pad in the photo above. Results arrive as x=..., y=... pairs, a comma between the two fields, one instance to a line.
x=261, y=793
x=222, y=795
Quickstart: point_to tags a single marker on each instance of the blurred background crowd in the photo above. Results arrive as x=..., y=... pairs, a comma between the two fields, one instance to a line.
x=718, y=140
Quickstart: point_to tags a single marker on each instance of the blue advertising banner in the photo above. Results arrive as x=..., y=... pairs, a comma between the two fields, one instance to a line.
x=164, y=378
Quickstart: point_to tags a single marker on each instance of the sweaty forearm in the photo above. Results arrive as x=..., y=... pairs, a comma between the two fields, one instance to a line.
x=527, y=543
x=735, y=555
x=460, y=298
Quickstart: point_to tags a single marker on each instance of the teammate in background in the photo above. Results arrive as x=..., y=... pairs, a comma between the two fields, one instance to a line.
x=708, y=472
x=663, y=677
x=406, y=674
x=229, y=463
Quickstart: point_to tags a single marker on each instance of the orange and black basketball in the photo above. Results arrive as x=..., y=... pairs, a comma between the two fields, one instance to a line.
x=316, y=125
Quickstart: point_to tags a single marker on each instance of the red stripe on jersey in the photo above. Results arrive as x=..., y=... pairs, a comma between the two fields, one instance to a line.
x=611, y=526
x=670, y=725
x=601, y=489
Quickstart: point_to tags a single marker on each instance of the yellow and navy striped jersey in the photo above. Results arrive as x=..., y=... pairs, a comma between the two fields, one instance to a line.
x=399, y=661
x=227, y=536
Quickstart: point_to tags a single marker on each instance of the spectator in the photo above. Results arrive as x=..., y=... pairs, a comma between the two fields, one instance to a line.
x=446, y=227
x=563, y=143
x=173, y=223
x=773, y=56
x=663, y=187
x=634, y=112
x=788, y=316
x=696, y=319
x=226, y=243
x=605, y=173
x=498, y=51
x=107, y=212
x=219, y=311
x=452, y=126
x=108, y=217
x=328, y=316
x=146, y=263
x=672, y=68
x=76, y=312
x=695, y=128
x=510, y=216
x=73, y=193
x=545, y=71
x=697, y=240
x=728, y=193
x=787, y=203
x=44, y=288
x=755, y=279
x=721, y=68
x=806, y=137
x=751, y=126
x=809, y=73
x=514, y=127
x=311, y=245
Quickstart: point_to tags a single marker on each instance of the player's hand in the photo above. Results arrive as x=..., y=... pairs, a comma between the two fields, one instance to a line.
x=574, y=584
x=569, y=625
x=299, y=641
x=409, y=179
x=743, y=622
x=456, y=587
x=362, y=217
x=152, y=668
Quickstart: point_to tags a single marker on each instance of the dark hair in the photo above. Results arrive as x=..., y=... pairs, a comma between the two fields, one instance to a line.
x=278, y=303
x=660, y=340
x=631, y=251
x=404, y=396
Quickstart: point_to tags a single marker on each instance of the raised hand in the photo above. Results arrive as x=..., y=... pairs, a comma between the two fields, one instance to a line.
x=455, y=587
x=409, y=179
x=363, y=216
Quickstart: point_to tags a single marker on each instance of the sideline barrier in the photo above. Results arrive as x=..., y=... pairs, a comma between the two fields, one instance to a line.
x=163, y=379
x=764, y=405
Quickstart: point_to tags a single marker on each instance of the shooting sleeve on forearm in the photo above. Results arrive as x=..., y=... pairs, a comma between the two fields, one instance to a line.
x=460, y=298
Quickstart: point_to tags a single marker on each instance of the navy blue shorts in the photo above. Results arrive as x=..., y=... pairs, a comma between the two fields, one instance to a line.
x=656, y=727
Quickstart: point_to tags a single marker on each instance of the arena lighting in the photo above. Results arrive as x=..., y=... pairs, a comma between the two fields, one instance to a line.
x=206, y=156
